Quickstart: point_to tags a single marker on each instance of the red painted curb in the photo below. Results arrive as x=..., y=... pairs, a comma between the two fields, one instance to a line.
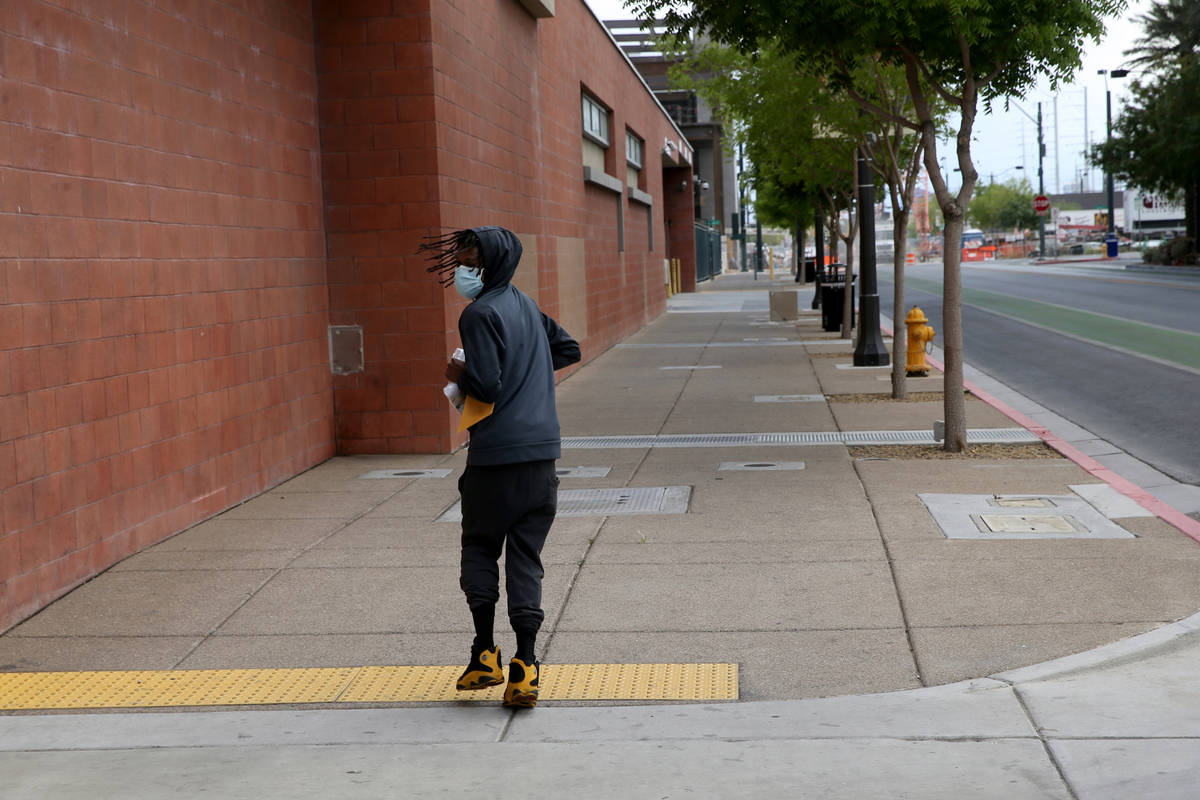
x=1167, y=513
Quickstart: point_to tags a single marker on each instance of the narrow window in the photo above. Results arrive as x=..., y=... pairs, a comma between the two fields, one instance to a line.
x=595, y=121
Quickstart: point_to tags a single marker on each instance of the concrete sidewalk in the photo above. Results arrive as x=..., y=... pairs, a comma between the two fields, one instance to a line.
x=825, y=572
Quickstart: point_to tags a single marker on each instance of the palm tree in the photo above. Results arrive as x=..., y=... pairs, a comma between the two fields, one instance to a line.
x=1171, y=37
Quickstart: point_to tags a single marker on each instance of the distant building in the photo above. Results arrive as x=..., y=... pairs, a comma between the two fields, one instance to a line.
x=1152, y=216
x=716, y=188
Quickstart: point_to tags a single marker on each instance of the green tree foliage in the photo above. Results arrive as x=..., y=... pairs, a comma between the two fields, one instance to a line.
x=789, y=126
x=960, y=50
x=800, y=131
x=798, y=136
x=1003, y=206
x=1154, y=141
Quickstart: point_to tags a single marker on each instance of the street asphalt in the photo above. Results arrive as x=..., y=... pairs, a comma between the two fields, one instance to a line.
x=1018, y=623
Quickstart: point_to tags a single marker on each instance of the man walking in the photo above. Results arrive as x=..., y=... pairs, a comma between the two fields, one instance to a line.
x=509, y=487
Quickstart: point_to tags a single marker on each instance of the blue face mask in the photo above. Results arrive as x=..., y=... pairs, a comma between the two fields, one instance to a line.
x=468, y=282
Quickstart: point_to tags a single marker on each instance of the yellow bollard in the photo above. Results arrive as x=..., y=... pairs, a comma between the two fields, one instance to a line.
x=919, y=334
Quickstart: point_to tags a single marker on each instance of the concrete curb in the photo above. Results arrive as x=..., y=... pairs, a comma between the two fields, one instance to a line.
x=1105, y=655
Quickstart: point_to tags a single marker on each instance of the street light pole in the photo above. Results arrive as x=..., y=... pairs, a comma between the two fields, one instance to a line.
x=870, y=350
x=742, y=204
x=1110, y=232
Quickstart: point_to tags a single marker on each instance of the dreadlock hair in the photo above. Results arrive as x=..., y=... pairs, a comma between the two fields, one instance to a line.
x=443, y=251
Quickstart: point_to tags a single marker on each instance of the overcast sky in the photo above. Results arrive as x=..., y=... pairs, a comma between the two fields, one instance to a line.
x=1006, y=140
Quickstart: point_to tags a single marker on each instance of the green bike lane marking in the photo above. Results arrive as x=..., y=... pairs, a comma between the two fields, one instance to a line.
x=1162, y=344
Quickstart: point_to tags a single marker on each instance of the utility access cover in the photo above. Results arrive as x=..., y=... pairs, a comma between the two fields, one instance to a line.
x=380, y=474
x=582, y=472
x=608, y=502
x=1025, y=523
x=990, y=516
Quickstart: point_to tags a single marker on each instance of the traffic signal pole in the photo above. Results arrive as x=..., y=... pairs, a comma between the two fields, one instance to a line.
x=1041, y=186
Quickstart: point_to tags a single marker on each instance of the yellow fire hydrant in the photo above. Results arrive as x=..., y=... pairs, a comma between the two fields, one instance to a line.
x=919, y=335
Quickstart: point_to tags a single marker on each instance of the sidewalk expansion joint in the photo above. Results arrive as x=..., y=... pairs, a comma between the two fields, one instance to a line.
x=381, y=684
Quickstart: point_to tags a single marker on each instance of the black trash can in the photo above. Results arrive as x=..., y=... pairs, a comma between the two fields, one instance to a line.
x=833, y=298
x=810, y=269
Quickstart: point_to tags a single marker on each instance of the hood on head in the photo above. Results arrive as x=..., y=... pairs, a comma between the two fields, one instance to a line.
x=499, y=252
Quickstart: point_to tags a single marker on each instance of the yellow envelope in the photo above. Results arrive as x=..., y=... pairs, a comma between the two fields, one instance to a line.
x=473, y=411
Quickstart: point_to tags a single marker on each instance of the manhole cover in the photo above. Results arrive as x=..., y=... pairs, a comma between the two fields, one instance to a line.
x=1023, y=523
x=609, y=502
x=761, y=466
x=405, y=473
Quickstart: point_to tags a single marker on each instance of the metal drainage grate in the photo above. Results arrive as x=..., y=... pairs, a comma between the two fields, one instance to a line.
x=582, y=472
x=608, y=502
x=712, y=366
x=405, y=473
x=759, y=466
x=789, y=398
x=772, y=342
x=974, y=436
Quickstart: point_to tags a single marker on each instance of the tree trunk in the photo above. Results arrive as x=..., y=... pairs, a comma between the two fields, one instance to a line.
x=798, y=252
x=954, y=405
x=899, y=330
x=1191, y=208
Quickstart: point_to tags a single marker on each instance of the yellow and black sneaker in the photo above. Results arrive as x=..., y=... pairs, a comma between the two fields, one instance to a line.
x=522, y=689
x=483, y=671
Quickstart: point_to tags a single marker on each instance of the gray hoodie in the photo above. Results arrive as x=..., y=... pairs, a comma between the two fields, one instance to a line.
x=512, y=350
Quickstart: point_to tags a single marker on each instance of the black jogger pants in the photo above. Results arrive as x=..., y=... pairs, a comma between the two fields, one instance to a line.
x=507, y=507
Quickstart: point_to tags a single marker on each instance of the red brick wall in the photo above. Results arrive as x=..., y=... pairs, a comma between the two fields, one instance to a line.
x=163, y=305
x=180, y=220
x=442, y=115
x=682, y=233
x=381, y=196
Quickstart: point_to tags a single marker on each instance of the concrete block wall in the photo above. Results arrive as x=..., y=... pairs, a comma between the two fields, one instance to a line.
x=192, y=193
x=443, y=115
x=163, y=301
x=381, y=168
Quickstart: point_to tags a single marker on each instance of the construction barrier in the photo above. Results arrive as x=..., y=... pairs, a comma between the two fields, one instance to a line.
x=984, y=253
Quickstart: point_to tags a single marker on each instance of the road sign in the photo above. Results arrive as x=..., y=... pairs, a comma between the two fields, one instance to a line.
x=1041, y=204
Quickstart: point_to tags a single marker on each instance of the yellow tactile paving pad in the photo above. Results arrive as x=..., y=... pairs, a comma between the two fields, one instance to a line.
x=397, y=684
